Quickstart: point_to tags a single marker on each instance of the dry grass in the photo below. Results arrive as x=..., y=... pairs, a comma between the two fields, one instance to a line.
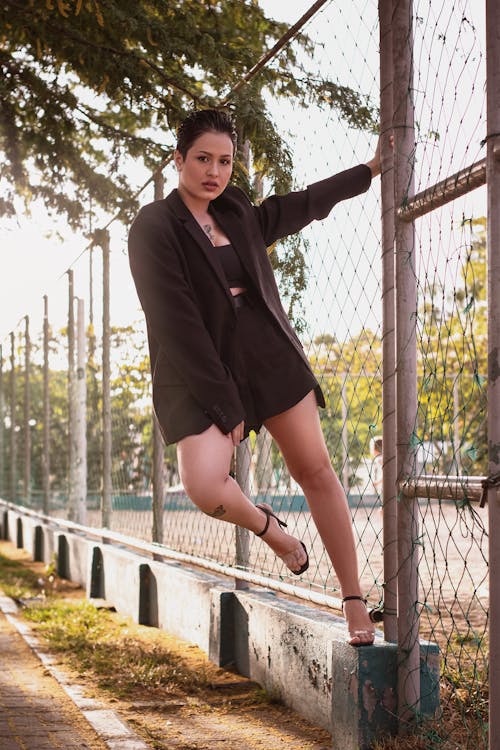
x=141, y=665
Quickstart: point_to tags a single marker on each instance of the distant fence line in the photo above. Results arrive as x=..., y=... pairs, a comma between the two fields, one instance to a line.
x=426, y=379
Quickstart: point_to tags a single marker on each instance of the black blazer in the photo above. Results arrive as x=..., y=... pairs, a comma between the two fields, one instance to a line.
x=189, y=309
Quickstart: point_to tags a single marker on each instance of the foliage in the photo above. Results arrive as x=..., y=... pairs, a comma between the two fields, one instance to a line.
x=130, y=407
x=452, y=366
x=85, y=86
x=452, y=331
x=17, y=580
x=351, y=378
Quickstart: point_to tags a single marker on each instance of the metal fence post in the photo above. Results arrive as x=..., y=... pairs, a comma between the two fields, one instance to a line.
x=493, y=233
x=46, y=410
x=389, y=473
x=2, y=428
x=406, y=385
x=71, y=400
x=13, y=441
x=345, y=436
x=242, y=536
x=81, y=418
x=106, y=383
x=243, y=453
x=158, y=447
x=26, y=413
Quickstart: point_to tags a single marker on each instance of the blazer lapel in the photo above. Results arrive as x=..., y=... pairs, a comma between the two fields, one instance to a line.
x=199, y=236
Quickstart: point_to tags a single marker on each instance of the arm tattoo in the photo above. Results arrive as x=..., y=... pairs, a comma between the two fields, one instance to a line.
x=218, y=512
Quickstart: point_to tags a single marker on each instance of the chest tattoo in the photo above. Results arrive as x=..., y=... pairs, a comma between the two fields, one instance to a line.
x=209, y=231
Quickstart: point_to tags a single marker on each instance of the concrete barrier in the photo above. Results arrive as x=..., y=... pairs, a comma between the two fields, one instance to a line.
x=298, y=653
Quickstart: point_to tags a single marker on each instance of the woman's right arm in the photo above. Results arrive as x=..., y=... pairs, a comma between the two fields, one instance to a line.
x=174, y=320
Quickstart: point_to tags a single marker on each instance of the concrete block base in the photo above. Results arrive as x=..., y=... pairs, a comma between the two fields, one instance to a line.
x=298, y=653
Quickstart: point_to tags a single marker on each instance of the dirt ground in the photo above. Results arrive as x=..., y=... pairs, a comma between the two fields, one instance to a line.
x=230, y=713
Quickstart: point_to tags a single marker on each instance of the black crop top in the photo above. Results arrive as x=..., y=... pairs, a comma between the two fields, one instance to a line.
x=232, y=266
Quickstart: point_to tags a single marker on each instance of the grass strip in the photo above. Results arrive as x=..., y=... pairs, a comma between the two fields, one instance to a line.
x=102, y=642
x=123, y=658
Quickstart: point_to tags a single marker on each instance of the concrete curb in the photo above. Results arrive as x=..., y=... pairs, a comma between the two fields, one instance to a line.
x=114, y=732
x=294, y=651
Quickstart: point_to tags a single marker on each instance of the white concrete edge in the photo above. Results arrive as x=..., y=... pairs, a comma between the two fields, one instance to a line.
x=110, y=728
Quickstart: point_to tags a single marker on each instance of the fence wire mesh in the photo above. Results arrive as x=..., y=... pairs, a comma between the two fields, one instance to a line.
x=334, y=298
x=450, y=436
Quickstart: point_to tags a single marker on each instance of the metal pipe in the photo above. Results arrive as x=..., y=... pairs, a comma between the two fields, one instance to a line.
x=444, y=487
x=292, y=31
x=445, y=191
x=158, y=445
x=71, y=399
x=106, y=384
x=389, y=470
x=81, y=418
x=457, y=460
x=2, y=427
x=344, y=437
x=159, y=552
x=493, y=239
x=26, y=412
x=406, y=363
x=242, y=536
x=46, y=409
x=13, y=441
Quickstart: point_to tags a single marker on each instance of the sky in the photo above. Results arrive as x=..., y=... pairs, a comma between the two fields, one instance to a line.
x=343, y=292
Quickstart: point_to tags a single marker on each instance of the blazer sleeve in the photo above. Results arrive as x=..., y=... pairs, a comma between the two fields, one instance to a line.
x=174, y=320
x=281, y=215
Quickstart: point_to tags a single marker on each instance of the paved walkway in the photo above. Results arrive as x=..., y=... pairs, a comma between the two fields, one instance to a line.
x=40, y=712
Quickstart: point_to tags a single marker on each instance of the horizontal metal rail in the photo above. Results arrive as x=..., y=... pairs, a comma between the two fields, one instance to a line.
x=444, y=487
x=161, y=552
x=443, y=192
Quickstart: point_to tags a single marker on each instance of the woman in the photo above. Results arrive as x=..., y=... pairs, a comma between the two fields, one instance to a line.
x=224, y=357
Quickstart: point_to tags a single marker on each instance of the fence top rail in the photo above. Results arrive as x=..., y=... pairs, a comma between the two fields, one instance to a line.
x=443, y=192
x=162, y=553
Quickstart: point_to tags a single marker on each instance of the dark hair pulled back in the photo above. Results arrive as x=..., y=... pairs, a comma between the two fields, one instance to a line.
x=204, y=121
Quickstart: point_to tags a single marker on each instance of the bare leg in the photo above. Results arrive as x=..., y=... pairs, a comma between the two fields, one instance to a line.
x=298, y=434
x=204, y=462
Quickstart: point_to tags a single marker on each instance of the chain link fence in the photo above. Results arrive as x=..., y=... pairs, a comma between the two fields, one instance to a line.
x=60, y=358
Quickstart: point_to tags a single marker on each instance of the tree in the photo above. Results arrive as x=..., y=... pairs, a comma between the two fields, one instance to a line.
x=351, y=377
x=452, y=331
x=86, y=85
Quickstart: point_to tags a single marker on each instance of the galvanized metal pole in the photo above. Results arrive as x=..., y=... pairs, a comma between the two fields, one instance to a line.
x=242, y=541
x=456, y=427
x=13, y=425
x=243, y=453
x=493, y=235
x=26, y=413
x=158, y=445
x=406, y=364
x=2, y=428
x=71, y=399
x=106, y=384
x=46, y=410
x=81, y=419
x=345, y=438
x=263, y=469
x=389, y=463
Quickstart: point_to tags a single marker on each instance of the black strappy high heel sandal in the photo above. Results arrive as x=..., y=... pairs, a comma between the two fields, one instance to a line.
x=359, y=633
x=282, y=524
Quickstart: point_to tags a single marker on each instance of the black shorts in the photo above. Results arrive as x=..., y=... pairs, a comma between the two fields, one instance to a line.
x=269, y=372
